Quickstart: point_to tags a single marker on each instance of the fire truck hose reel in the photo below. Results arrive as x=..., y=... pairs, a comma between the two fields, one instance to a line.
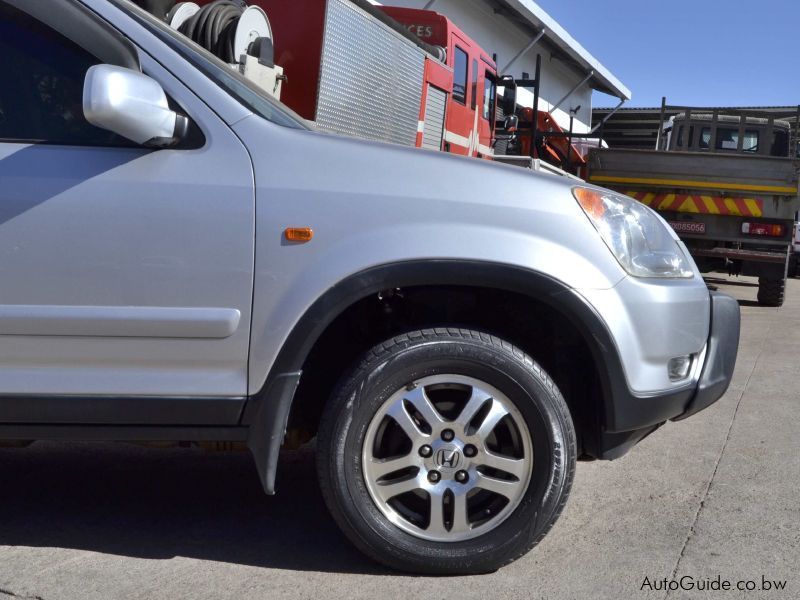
x=214, y=28
x=226, y=28
x=180, y=13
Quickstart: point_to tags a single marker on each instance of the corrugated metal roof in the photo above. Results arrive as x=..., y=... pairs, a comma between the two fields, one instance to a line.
x=558, y=36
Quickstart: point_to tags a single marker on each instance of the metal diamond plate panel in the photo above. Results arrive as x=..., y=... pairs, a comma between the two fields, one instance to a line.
x=371, y=78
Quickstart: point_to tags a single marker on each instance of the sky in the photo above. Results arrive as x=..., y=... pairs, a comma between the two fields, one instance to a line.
x=696, y=53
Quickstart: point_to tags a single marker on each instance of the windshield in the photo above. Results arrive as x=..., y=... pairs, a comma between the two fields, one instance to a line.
x=244, y=91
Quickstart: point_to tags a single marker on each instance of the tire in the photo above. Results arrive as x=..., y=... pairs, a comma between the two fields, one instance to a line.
x=792, y=270
x=523, y=427
x=771, y=291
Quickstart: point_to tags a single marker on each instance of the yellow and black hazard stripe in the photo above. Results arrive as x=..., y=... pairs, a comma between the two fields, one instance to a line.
x=696, y=203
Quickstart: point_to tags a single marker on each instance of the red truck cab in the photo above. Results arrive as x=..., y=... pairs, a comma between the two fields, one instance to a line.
x=471, y=97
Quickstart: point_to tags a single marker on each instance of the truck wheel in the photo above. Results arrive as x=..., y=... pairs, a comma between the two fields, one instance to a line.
x=771, y=291
x=792, y=271
x=446, y=451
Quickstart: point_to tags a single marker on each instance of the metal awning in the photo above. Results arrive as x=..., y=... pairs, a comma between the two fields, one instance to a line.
x=601, y=80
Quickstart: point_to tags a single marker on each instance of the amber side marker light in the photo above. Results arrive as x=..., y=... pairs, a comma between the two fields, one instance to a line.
x=591, y=201
x=298, y=234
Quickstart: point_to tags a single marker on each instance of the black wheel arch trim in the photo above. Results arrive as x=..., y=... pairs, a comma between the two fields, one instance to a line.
x=438, y=272
x=267, y=412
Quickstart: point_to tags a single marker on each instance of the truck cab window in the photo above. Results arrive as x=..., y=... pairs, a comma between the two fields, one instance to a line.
x=727, y=138
x=460, y=76
x=489, y=95
x=780, y=144
x=705, y=138
x=41, y=99
x=750, y=141
x=689, y=141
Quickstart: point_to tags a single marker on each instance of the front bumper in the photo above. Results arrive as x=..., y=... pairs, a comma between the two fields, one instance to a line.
x=635, y=417
x=723, y=346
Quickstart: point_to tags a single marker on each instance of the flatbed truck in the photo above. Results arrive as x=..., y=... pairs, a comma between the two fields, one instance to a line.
x=726, y=181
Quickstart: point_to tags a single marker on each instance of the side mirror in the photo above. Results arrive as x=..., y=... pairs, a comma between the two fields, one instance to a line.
x=511, y=123
x=509, y=101
x=132, y=105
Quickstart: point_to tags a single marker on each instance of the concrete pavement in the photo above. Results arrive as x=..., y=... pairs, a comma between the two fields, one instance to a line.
x=715, y=495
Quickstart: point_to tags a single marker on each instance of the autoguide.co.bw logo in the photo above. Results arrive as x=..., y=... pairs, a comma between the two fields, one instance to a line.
x=715, y=584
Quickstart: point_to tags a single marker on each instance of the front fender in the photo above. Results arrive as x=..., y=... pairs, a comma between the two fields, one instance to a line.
x=267, y=412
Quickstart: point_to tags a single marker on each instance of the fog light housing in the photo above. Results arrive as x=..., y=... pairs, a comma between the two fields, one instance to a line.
x=678, y=367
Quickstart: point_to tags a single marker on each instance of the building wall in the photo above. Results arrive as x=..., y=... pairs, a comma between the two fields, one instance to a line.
x=497, y=34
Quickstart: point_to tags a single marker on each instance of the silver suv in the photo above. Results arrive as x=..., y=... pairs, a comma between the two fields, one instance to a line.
x=183, y=259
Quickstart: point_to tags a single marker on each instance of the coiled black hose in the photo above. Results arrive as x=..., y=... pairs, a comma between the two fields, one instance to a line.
x=214, y=27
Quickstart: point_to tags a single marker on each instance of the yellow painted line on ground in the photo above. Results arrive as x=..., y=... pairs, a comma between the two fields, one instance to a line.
x=778, y=189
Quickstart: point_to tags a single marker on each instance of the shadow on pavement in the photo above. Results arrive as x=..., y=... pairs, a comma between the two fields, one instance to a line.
x=748, y=303
x=736, y=282
x=152, y=503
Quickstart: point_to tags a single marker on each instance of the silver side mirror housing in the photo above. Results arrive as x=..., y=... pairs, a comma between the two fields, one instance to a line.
x=132, y=105
x=511, y=123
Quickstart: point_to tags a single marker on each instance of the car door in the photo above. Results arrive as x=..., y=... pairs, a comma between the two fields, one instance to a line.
x=126, y=272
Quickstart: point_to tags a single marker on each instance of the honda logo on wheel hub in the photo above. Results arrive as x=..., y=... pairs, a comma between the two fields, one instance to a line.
x=448, y=457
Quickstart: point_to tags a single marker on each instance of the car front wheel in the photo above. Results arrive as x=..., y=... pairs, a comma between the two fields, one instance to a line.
x=446, y=451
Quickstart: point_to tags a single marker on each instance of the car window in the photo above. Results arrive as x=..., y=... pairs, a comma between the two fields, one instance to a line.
x=41, y=94
x=460, y=76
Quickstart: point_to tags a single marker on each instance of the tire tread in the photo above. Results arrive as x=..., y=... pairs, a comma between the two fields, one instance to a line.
x=439, y=334
x=771, y=292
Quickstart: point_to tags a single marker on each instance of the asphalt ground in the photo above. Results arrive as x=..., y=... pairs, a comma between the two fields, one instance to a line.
x=713, y=498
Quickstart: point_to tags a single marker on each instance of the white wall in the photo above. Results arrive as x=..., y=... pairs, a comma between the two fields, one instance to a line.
x=498, y=34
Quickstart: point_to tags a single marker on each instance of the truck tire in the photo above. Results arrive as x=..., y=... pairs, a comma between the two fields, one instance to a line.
x=771, y=291
x=426, y=450
x=792, y=270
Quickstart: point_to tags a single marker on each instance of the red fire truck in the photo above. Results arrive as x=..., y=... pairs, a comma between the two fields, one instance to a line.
x=385, y=73
x=378, y=72
x=470, y=119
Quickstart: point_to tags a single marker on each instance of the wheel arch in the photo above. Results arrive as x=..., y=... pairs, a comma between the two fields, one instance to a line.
x=267, y=412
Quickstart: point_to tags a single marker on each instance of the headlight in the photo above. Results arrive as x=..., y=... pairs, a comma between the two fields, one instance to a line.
x=639, y=239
